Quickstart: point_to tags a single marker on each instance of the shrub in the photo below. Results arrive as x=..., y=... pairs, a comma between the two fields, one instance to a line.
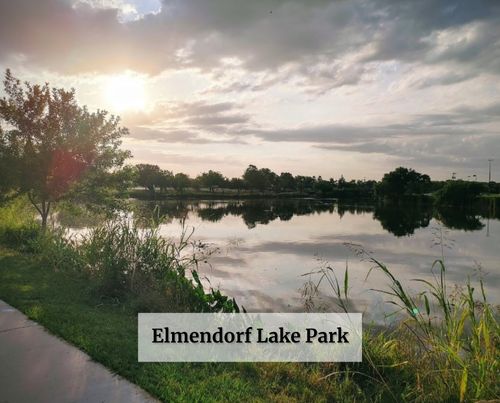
x=460, y=192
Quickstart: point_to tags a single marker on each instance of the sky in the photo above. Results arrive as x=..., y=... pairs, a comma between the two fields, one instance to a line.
x=313, y=87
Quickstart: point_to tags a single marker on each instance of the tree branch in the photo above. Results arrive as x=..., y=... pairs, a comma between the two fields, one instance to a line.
x=30, y=197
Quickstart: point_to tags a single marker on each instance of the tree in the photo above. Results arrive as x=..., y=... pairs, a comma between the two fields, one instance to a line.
x=260, y=179
x=237, y=183
x=270, y=178
x=181, y=181
x=460, y=192
x=212, y=179
x=7, y=159
x=148, y=176
x=254, y=178
x=49, y=143
x=403, y=182
x=165, y=180
x=287, y=181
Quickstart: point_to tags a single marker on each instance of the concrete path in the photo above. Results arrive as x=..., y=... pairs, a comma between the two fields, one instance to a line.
x=36, y=366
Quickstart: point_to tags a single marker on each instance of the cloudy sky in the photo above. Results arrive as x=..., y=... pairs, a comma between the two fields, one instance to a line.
x=317, y=87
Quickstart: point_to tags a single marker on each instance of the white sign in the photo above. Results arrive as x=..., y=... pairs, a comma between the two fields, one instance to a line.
x=250, y=337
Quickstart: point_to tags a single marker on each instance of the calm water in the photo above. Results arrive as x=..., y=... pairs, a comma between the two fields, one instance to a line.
x=264, y=248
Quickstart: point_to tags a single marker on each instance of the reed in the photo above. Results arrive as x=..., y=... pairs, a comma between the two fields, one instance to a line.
x=444, y=344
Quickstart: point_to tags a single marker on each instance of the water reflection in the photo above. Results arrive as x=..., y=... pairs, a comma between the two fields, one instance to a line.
x=399, y=219
x=460, y=218
x=266, y=246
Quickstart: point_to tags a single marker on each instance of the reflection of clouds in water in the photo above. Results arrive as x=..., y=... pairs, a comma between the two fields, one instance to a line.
x=263, y=267
x=408, y=262
x=408, y=257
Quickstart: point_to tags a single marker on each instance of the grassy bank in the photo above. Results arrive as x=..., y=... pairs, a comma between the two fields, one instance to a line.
x=89, y=293
x=66, y=305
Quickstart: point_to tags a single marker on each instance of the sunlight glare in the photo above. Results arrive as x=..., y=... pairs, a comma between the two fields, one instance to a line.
x=125, y=92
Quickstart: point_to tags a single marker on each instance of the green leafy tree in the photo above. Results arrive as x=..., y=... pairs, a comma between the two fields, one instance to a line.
x=165, y=180
x=254, y=178
x=260, y=179
x=49, y=143
x=287, y=182
x=212, y=179
x=181, y=181
x=148, y=176
x=460, y=192
x=270, y=178
x=237, y=183
x=403, y=182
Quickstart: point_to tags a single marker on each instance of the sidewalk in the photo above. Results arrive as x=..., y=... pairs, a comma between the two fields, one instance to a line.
x=38, y=367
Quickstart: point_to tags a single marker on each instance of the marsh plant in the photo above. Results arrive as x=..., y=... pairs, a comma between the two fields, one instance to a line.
x=123, y=260
x=445, y=347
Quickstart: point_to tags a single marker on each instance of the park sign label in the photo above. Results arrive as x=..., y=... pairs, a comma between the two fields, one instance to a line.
x=249, y=337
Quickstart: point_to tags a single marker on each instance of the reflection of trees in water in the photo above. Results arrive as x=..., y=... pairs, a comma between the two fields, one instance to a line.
x=403, y=219
x=400, y=219
x=74, y=216
x=459, y=218
x=147, y=212
x=255, y=212
x=212, y=214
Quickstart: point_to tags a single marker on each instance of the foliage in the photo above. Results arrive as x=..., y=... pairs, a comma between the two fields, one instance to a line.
x=446, y=344
x=212, y=179
x=124, y=261
x=460, y=192
x=260, y=179
x=49, y=142
x=18, y=228
x=403, y=182
x=148, y=176
x=253, y=180
x=181, y=181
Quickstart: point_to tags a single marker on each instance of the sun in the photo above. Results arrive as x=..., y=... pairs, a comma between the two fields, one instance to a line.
x=125, y=92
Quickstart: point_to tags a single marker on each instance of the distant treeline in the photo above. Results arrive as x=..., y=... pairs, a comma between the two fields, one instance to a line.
x=401, y=183
x=253, y=179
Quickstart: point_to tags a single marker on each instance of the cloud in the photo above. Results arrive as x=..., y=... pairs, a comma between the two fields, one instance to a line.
x=329, y=42
x=165, y=135
x=187, y=122
x=346, y=77
x=459, y=121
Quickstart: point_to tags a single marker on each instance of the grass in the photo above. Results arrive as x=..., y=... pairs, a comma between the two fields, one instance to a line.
x=17, y=224
x=490, y=196
x=450, y=340
x=65, y=304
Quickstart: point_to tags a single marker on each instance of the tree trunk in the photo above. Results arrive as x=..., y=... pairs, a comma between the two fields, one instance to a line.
x=45, y=214
x=43, y=210
x=44, y=221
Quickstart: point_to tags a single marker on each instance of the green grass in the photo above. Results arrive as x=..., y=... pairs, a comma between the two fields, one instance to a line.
x=490, y=196
x=65, y=305
x=449, y=340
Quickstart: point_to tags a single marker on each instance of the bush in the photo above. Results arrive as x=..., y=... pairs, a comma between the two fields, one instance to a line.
x=460, y=192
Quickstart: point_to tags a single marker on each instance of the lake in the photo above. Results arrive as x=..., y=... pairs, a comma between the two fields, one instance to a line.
x=263, y=249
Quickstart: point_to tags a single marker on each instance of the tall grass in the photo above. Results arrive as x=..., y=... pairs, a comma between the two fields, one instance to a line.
x=18, y=227
x=123, y=260
x=446, y=345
